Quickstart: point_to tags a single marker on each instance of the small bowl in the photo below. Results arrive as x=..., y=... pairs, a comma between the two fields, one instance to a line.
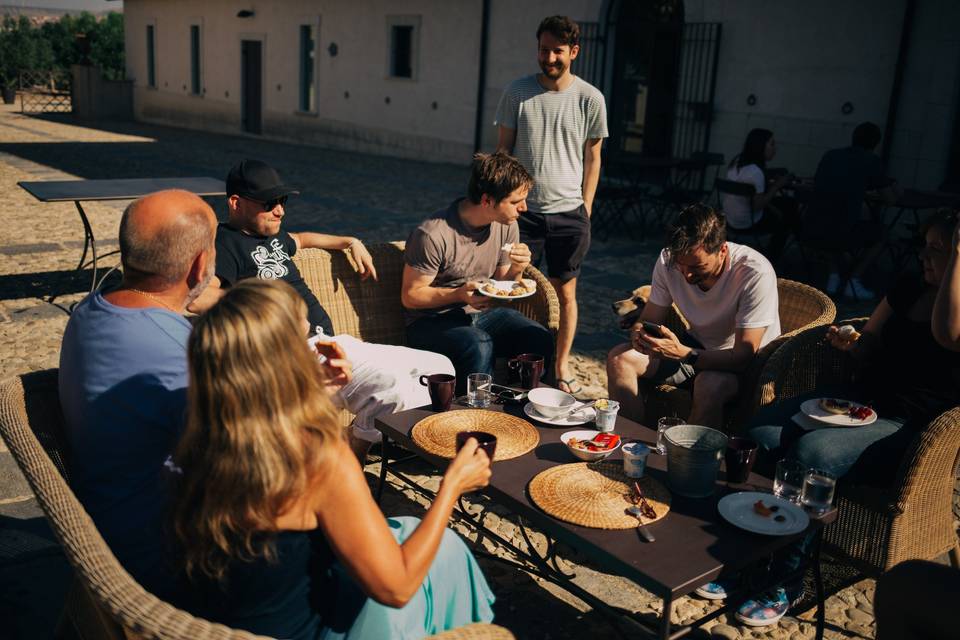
x=586, y=456
x=551, y=403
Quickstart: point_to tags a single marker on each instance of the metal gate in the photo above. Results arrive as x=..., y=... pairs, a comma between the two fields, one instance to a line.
x=589, y=64
x=45, y=92
x=693, y=110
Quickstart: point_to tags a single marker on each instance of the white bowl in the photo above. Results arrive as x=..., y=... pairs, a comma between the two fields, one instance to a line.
x=551, y=403
x=587, y=456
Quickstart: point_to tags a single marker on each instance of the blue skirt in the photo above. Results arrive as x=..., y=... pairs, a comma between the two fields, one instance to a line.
x=453, y=594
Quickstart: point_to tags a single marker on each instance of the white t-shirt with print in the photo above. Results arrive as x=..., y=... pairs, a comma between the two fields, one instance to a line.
x=745, y=297
x=739, y=209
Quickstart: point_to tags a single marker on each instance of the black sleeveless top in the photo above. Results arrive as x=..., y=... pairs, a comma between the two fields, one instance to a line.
x=290, y=597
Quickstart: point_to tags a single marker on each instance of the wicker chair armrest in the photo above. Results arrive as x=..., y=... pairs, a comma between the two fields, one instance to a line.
x=543, y=306
x=476, y=631
x=928, y=469
x=803, y=363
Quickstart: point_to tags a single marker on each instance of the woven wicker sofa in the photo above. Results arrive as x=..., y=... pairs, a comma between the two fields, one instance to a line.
x=372, y=311
x=104, y=601
x=876, y=529
x=801, y=307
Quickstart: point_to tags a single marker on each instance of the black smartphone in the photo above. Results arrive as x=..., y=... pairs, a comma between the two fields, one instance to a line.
x=653, y=329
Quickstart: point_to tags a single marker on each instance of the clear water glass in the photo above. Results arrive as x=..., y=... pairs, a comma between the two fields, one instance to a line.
x=663, y=424
x=818, y=489
x=788, y=480
x=478, y=389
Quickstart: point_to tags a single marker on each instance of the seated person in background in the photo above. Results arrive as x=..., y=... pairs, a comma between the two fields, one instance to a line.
x=123, y=378
x=761, y=214
x=904, y=375
x=251, y=244
x=728, y=294
x=837, y=219
x=450, y=255
x=273, y=518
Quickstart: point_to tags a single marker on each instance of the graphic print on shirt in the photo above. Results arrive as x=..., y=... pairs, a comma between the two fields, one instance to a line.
x=270, y=265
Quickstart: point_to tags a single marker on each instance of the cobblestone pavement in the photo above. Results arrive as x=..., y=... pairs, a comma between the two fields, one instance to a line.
x=374, y=198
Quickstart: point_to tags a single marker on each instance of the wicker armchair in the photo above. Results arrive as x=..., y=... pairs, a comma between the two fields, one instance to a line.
x=801, y=307
x=372, y=311
x=104, y=601
x=878, y=528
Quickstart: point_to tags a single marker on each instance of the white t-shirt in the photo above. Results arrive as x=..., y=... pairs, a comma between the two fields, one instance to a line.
x=739, y=209
x=745, y=297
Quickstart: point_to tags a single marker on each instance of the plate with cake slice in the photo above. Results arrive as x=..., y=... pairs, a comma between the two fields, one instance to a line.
x=838, y=412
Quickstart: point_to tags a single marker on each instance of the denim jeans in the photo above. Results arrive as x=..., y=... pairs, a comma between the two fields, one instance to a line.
x=869, y=454
x=863, y=454
x=473, y=342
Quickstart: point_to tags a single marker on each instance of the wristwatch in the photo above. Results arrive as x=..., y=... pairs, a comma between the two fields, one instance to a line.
x=691, y=358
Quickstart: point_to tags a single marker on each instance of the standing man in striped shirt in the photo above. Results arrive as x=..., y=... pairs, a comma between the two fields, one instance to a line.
x=554, y=123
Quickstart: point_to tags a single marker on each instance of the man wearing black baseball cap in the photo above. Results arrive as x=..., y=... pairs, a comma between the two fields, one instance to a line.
x=251, y=244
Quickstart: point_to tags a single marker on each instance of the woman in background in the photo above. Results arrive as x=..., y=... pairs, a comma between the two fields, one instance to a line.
x=273, y=517
x=760, y=214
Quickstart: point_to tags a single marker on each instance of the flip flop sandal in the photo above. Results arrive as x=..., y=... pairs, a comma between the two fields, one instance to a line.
x=570, y=382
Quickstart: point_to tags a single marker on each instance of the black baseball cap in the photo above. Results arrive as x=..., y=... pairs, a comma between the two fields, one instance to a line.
x=258, y=181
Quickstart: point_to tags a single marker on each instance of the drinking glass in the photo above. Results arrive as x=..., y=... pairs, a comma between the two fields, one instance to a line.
x=478, y=389
x=663, y=424
x=818, y=489
x=788, y=480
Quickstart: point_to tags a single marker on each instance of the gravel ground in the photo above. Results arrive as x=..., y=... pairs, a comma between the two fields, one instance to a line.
x=375, y=198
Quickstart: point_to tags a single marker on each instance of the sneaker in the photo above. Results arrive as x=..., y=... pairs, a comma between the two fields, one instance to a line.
x=833, y=283
x=716, y=590
x=765, y=609
x=855, y=289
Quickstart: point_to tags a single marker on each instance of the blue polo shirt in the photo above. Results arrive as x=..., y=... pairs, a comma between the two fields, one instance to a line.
x=123, y=389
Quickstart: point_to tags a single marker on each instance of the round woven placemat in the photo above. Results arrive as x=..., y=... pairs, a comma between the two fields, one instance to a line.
x=595, y=494
x=437, y=434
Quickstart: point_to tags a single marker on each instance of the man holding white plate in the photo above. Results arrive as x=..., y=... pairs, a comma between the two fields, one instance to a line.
x=450, y=258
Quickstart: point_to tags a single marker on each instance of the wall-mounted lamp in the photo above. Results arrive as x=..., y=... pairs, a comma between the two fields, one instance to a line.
x=332, y=49
x=847, y=108
x=245, y=13
x=752, y=100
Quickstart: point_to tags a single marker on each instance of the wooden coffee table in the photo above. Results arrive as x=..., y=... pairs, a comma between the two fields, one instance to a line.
x=694, y=544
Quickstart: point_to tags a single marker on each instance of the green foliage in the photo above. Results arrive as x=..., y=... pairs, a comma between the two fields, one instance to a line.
x=54, y=46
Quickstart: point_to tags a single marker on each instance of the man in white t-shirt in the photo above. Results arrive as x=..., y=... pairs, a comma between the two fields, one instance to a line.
x=728, y=294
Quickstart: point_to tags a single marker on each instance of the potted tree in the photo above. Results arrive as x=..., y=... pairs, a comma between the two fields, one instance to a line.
x=17, y=52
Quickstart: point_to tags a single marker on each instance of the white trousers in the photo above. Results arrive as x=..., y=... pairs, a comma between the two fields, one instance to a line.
x=386, y=379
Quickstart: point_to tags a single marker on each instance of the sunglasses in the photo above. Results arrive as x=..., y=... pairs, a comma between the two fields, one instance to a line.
x=641, y=501
x=270, y=205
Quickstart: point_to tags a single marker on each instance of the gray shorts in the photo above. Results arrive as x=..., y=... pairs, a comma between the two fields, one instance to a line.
x=675, y=373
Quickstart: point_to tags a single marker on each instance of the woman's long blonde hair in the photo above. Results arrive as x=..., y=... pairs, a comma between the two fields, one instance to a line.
x=259, y=429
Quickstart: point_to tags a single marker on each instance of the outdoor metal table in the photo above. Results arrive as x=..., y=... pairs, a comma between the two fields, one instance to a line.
x=121, y=189
x=693, y=542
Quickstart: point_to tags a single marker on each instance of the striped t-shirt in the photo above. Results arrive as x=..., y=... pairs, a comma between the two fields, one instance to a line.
x=552, y=128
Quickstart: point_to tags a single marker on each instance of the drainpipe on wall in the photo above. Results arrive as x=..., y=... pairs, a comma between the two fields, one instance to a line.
x=481, y=75
x=894, y=104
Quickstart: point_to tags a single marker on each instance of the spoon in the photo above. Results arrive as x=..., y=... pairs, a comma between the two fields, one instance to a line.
x=577, y=408
x=641, y=528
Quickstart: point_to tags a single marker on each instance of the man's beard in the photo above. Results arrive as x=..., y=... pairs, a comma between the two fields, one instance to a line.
x=553, y=70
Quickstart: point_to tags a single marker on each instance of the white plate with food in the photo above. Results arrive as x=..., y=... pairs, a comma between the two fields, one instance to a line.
x=508, y=289
x=838, y=412
x=763, y=513
x=590, y=446
x=569, y=420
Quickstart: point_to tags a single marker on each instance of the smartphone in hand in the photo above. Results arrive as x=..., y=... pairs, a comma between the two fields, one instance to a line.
x=653, y=329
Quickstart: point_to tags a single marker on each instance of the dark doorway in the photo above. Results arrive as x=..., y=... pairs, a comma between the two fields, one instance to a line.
x=251, y=83
x=645, y=75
